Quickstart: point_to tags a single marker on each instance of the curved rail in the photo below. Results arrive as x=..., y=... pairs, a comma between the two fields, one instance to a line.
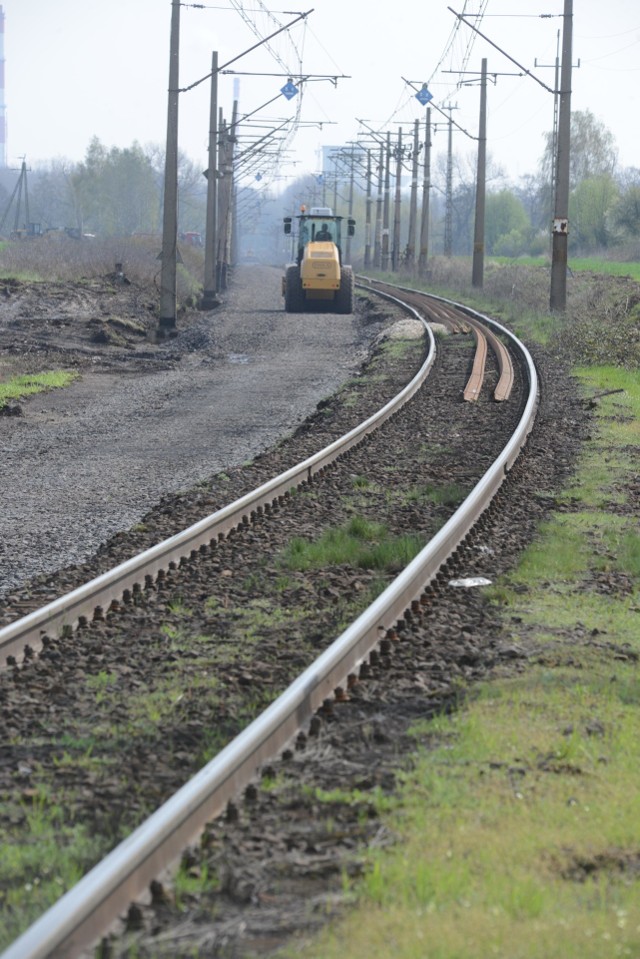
x=86, y=911
x=66, y=611
x=475, y=381
x=449, y=313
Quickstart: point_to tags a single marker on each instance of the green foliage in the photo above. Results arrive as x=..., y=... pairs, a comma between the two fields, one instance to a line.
x=626, y=211
x=450, y=495
x=505, y=217
x=28, y=384
x=35, y=874
x=593, y=150
x=117, y=190
x=590, y=207
x=359, y=543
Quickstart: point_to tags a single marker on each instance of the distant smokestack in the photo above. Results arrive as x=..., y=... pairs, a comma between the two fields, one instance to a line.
x=3, y=122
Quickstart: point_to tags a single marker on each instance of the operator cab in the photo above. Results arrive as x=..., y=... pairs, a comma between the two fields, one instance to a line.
x=319, y=225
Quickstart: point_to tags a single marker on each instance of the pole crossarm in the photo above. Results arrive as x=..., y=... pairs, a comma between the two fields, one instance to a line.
x=444, y=114
x=301, y=79
x=334, y=77
x=528, y=73
x=379, y=139
x=255, y=46
x=267, y=137
x=493, y=77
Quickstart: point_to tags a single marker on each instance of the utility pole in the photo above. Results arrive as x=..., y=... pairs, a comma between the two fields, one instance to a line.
x=350, y=206
x=227, y=143
x=385, y=210
x=395, y=253
x=169, y=255
x=426, y=189
x=367, y=226
x=560, y=232
x=560, y=229
x=477, y=271
x=413, y=202
x=377, y=242
x=209, y=294
x=17, y=190
x=554, y=132
x=448, y=215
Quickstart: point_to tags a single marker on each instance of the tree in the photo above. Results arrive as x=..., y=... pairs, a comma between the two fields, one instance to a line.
x=626, y=213
x=117, y=191
x=463, y=199
x=591, y=205
x=593, y=150
x=533, y=193
x=54, y=197
x=505, y=216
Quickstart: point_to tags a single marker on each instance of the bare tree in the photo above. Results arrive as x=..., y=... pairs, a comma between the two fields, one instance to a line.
x=593, y=149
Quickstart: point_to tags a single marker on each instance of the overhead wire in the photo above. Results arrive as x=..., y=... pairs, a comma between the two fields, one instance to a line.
x=286, y=65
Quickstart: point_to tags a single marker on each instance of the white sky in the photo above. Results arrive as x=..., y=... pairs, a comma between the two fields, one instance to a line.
x=82, y=68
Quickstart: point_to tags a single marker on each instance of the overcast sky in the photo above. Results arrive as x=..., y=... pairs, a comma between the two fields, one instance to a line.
x=75, y=69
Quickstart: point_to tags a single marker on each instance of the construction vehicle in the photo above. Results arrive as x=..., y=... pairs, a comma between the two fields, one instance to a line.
x=318, y=278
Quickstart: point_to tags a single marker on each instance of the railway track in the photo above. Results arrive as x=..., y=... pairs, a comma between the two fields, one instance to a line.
x=437, y=310
x=82, y=916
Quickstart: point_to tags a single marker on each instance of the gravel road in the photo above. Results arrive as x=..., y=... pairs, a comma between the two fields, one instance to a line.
x=82, y=463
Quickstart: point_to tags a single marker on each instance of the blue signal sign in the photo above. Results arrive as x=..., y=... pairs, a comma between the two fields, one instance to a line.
x=289, y=90
x=423, y=95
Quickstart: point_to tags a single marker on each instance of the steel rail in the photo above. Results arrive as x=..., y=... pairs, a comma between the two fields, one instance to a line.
x=506, y=372
x=448, y=312
x=444, y=314
x=66, y=611
x=88, y=909
x=505, y=366
x=475, y=381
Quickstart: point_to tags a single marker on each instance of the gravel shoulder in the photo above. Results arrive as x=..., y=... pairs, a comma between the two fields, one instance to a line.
x=147, y=419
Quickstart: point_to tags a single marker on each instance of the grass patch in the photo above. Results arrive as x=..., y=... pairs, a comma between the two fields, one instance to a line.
x=396, y=348
x=585, y=264
x=450, y=495
x=359, y=543
x=35, y=874
x=518, y=834
x=28, y=384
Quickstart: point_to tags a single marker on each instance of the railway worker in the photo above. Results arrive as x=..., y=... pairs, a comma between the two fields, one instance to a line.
x=323, y=233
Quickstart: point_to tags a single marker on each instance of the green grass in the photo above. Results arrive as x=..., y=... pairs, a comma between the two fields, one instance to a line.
x=517, y=821
x=609, y=267
x=441, y=496
x=35, y=874
x=590, y=264
x=358, y=543
x=19, y=387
